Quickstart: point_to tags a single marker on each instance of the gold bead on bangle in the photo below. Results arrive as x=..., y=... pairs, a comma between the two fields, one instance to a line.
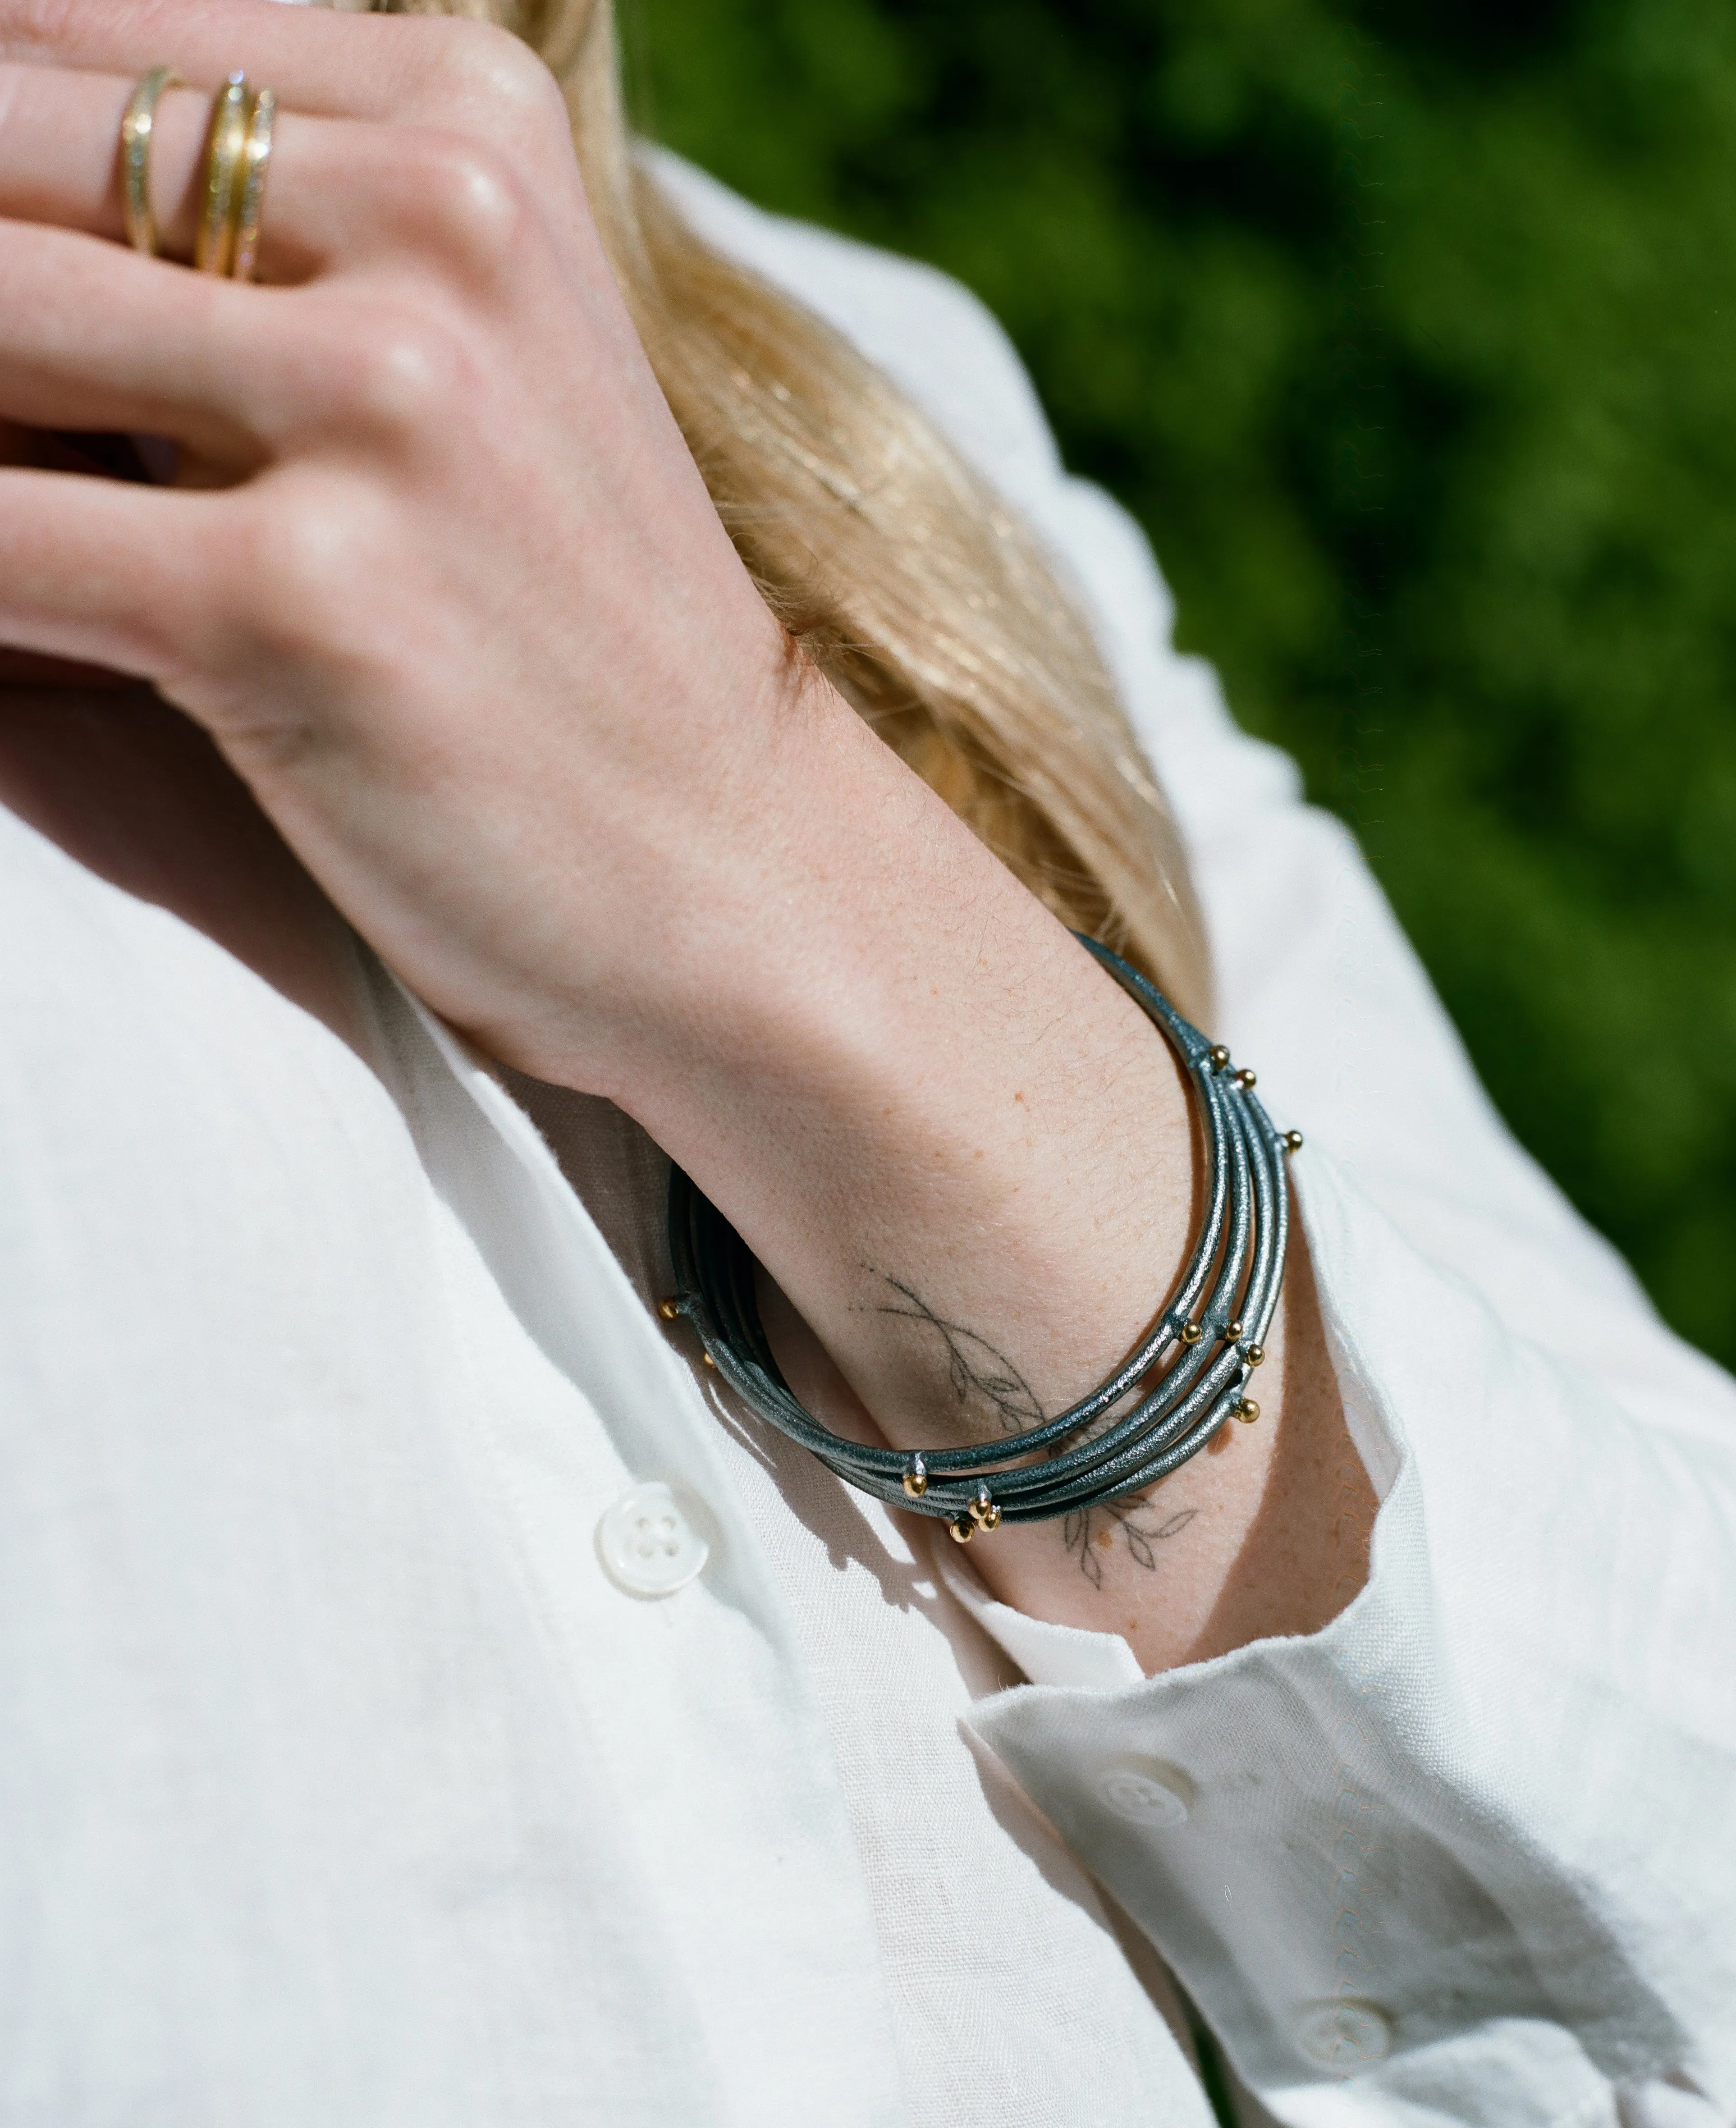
x=1248, y=1410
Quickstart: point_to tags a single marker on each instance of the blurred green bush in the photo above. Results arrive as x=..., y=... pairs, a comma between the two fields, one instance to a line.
x=1405, y=331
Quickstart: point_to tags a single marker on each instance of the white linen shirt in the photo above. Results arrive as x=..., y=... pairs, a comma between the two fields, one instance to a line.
x=354, y=1771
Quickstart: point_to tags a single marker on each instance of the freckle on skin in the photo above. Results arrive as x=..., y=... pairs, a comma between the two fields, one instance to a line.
x=1105, y=1538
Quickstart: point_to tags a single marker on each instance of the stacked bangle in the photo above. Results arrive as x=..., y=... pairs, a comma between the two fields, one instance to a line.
x=1190, y=1371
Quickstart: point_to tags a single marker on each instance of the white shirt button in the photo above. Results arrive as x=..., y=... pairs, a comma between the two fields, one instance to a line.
x=653, y=1541
x=1344, y=2035
x=1145, y=1792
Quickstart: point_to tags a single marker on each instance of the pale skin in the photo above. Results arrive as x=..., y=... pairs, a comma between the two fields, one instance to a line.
x=445, y=637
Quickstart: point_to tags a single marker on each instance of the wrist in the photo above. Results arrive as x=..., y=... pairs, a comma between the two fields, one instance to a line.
x=767, y=909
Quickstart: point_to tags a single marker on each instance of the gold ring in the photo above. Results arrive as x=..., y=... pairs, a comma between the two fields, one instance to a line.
x=250, y=189
x=214, y=246
x=138, y=129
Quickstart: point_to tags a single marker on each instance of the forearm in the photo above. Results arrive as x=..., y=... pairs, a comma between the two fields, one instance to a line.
x=967, y=1159
x=495, y=671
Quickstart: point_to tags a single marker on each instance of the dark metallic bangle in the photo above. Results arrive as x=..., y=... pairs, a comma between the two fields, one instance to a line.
x=1190, y=1370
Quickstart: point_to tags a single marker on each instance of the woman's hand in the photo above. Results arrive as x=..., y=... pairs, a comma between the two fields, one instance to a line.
x=450, y=592
x=445, y=586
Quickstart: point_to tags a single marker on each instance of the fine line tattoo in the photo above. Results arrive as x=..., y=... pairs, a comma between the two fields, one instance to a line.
x=972, y=1363
x=1091, y=1532
x=974, y=1366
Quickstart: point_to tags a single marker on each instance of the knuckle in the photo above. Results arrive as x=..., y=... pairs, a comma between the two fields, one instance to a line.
x=469, y=202
x=401, y=376
x=298, y=566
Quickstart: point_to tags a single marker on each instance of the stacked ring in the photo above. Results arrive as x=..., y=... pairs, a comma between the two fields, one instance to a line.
x=232, y=179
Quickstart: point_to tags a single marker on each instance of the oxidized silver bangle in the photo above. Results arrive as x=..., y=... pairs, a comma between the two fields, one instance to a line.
x=1190, y=1370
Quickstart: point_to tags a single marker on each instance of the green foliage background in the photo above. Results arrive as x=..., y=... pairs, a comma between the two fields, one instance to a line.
x=1405, y=331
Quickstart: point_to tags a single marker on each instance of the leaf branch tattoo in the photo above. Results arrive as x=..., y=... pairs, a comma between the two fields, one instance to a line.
x=972, y=1364
x=1091, y=1532
x=976, y=1368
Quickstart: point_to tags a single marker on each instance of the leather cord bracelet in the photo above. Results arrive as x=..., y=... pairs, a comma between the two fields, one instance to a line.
x=1188, y=1375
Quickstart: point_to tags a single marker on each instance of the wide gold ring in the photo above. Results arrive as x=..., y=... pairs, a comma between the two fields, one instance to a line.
x=225, y=145
x=138, y=129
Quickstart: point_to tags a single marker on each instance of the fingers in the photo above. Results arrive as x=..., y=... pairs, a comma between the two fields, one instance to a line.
x=59, y=135
x=463, y=77
x=95, y=339
x=429, y=92
x=338, y=192
x=106, y=574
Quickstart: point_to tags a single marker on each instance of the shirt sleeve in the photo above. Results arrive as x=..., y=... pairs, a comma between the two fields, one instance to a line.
x=1468, y=1855
x=1465, y=1856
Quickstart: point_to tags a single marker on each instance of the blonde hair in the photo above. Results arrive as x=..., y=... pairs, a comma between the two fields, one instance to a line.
x=896, y=570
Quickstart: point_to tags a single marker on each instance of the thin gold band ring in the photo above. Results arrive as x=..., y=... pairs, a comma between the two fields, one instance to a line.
x=138, y=129
x=249, y=208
